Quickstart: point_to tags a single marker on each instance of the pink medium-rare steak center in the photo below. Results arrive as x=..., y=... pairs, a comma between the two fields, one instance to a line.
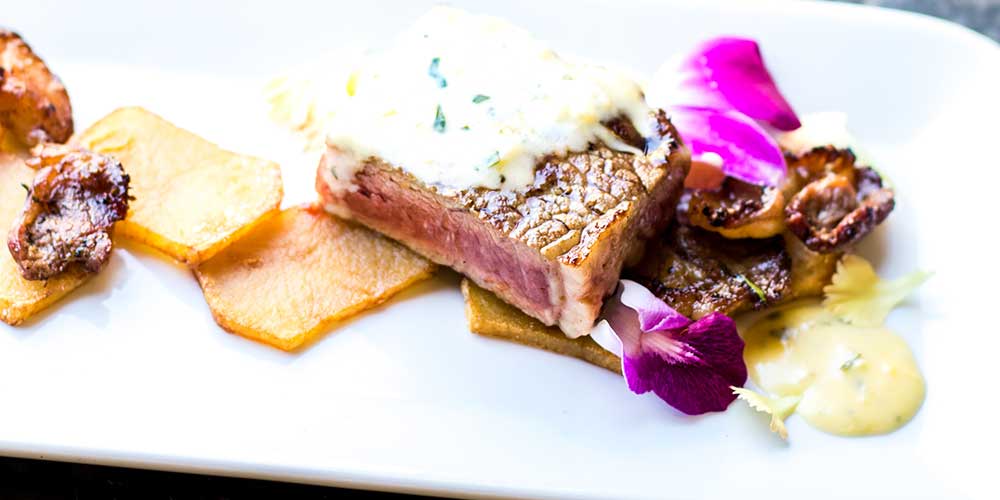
x=553, y=249
x=386, y=202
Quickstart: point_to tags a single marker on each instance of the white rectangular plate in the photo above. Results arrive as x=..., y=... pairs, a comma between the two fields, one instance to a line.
x=131, y=369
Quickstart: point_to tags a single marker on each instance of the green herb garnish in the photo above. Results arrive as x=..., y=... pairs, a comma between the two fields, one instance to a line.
x=26, y=188
x=465, y=127
x=753, y=286
x=847, y=365
x=480, y=98
x=492, y=160
x=439, y=121
x=435, y=73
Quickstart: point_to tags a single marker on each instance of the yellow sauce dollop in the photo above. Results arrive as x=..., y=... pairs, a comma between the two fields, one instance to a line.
x=854, y=381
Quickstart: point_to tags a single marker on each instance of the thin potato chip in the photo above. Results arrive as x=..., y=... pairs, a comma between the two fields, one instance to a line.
x=192, y=198
x=492, y=317
x=20, y=298
x=298, y=272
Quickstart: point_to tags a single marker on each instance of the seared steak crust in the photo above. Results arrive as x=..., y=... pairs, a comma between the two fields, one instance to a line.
x=553, y=249
x=698, y=272
x=568, y=195
x=73, y=203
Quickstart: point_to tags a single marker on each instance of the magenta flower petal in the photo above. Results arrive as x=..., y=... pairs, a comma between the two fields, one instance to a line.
x=746, y=150
x=691, y=367
x=654, y=314
x=729, y=73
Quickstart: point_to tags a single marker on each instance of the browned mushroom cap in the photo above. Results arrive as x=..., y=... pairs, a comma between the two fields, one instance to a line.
x=737, y=210
x=33, y=102
x=814, y=164
x=74, y=201
x=698, y=272
x=838, y=203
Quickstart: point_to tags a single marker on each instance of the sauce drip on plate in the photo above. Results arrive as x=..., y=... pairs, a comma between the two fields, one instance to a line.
x=854, y=381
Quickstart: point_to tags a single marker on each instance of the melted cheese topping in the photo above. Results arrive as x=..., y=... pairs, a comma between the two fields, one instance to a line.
x=853, y=381
x=463, y=100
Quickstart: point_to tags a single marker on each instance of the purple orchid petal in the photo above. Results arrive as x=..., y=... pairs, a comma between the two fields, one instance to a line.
x=654, y=314
x=729, y=73
x=691, y=367
x=747, y=151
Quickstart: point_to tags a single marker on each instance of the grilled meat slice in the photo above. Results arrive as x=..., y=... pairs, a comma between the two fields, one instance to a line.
x=698, y=272
x=34, y=104
x=553, y=249
x=839, y=202
x=71, y=207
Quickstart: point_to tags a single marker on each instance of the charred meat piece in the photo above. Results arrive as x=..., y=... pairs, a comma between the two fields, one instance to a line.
x=838, y=203
x=698, y=272
x=553, y=249
x=34, y=104
x=71, y=207
x=737, y=209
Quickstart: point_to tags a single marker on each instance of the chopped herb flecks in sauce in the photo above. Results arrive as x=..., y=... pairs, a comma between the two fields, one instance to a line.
x=439, y=121
x=435, y=72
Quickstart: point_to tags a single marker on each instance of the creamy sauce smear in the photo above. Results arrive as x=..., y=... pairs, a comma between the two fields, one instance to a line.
x=853, y=381
x=463, y=100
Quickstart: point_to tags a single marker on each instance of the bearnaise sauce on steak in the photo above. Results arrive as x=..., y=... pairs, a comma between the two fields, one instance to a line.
x=463, y=100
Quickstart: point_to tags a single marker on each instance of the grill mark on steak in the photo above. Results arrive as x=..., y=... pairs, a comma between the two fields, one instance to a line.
x=569, y=193
x=71, y=207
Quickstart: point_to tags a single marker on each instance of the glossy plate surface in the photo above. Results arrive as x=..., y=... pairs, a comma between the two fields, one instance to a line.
x=131, y=369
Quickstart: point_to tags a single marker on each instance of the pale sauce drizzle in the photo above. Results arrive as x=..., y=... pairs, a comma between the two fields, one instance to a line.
x=854, y=381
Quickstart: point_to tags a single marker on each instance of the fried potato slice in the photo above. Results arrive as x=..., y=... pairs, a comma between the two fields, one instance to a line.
x=298, y=272
x=492, y=317
x=20, y=298
x=192, y=198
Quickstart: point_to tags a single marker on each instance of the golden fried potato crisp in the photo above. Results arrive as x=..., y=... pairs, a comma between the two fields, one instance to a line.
x=492, y=317
x=298, y=272
x=192, y=198
x=20, y=298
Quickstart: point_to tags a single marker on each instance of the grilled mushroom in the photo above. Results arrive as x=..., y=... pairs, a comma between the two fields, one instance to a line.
x=826, y=200
x=34, y=104
x=737, y=210
x=71, y=207
x=838, y=203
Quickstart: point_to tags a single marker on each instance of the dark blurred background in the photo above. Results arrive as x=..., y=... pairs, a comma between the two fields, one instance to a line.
x=38, y=480
x=980, y=15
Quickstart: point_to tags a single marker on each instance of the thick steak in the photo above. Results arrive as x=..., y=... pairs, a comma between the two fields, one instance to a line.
x=554, y=249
